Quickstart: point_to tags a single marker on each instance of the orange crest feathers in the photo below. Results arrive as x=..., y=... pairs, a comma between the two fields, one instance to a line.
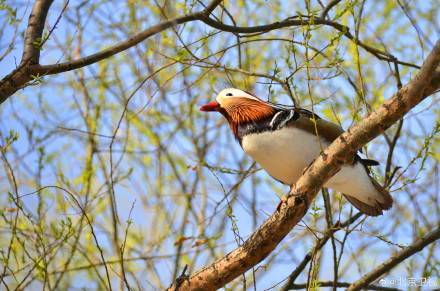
x=242, y=110
x=247, y=110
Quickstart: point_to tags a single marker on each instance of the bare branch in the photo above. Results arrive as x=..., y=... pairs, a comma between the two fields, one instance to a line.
x=329, y=6
x=319, y=245
x=23, y=74
x=119, y=47
x=395, y=260
x=289, y=22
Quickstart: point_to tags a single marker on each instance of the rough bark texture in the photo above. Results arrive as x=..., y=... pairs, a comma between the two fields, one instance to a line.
x=264, y=240
x=34, y=32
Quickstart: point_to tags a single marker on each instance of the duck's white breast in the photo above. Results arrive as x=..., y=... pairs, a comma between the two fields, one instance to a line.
x=283, y=153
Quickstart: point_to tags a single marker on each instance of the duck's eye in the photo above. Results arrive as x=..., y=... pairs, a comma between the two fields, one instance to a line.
x=228, y=94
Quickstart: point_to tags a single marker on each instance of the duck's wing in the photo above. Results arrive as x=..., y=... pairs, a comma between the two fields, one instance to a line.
x=313, y=124
x=308, y=121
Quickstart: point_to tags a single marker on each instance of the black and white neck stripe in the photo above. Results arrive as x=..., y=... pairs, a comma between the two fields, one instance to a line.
x=271, y=123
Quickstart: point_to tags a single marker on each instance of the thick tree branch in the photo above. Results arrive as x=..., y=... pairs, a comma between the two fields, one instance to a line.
x=434, y=85
x=34, y=32
x=25, y=72
x=264, y=240
x=395, y=260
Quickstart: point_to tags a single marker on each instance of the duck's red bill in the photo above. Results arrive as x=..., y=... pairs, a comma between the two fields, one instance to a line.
x=211, y=106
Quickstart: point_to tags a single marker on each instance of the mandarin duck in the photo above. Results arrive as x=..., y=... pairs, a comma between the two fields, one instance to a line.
x=285, y=140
